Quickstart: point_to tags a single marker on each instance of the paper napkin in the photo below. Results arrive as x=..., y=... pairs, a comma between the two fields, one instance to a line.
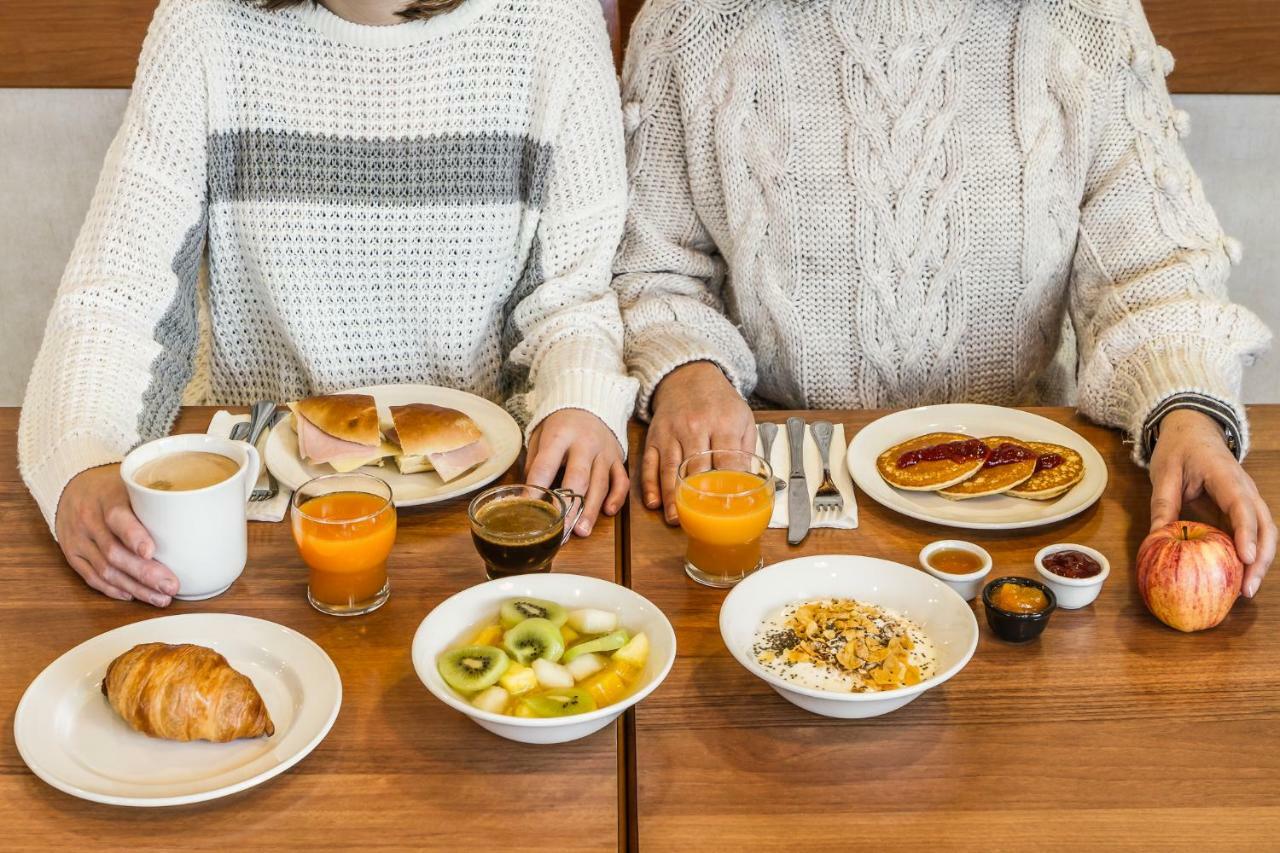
x=274, y=509
x=846, y=519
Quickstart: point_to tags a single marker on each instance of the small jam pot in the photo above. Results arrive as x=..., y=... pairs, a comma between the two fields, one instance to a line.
x=1017, y=627
x=967, y=584
x=1073, y=593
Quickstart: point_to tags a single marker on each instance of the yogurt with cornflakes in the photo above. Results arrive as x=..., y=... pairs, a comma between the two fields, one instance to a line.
x=844, y=646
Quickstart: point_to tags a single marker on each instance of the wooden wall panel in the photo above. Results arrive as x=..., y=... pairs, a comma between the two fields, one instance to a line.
x=95, y=43
x=1221, y=45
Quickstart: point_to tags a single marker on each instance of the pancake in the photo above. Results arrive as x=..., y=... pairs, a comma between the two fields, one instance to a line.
x=1053, y=482
x=996, y=479
x=929, y=475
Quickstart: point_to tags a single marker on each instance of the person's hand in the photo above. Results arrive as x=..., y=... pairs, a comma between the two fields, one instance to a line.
x=1191, y=460
x=589, y=452
x=106, y=544
x=695, y=408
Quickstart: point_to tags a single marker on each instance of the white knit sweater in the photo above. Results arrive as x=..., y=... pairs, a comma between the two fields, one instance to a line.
x=896, y=202
x=433, y=202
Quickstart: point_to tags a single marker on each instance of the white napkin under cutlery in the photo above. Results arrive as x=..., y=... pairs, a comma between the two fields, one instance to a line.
x=780, y=459
x=276, y=508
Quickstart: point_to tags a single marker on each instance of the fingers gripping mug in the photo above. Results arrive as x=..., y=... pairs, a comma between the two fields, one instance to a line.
x=197, y=517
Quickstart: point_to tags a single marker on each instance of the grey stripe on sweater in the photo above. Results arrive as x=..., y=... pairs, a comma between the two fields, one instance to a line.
x=178, y=334
x=453, y=169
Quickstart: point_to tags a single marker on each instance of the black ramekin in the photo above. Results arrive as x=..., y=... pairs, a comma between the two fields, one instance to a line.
x=1017, y=627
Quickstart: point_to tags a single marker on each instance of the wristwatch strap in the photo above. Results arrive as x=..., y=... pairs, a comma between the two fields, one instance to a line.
x=1211, y=406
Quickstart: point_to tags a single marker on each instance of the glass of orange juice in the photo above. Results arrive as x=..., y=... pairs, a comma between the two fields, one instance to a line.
x=724, y=499
x=345, y=525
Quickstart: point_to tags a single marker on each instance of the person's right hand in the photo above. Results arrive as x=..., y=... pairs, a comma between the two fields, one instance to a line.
x=106, y=544
x=695, y=408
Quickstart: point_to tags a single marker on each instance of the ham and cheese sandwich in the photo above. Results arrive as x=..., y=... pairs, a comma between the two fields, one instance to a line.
x=340, y=430
x=434, y=438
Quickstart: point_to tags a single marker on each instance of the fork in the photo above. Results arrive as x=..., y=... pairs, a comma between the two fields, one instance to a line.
x=273, y=487
x=264, y=416
x=828, y=497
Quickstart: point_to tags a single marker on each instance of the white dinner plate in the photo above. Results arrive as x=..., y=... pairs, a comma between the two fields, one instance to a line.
x=499, y=428
x=997, y=512
x=73, y=739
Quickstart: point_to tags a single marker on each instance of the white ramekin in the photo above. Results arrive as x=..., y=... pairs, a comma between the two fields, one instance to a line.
x=1073, y=593
x=968, y=586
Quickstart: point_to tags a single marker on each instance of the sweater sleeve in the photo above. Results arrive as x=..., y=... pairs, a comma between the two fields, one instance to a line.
x=669, y=273
x=564, y=334
x=1148, y=296
x=120, y=340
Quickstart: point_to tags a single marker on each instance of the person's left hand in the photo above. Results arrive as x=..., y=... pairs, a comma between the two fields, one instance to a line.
x=1191, y=459
x=589, y=452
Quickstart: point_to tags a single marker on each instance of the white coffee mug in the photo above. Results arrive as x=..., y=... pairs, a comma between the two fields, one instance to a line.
x=201, y=534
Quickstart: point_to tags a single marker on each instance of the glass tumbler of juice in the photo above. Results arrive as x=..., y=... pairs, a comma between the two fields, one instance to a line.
x=345, y=525
x=724, y=499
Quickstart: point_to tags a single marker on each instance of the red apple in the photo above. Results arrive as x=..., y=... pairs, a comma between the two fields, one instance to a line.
x=1189, y=575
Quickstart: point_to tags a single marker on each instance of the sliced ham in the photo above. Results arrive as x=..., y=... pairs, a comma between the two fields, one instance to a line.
x=456, y=462
x=318, y=446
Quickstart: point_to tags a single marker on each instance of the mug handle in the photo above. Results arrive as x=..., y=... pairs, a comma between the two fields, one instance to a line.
x=254, y=466
x=568, y=499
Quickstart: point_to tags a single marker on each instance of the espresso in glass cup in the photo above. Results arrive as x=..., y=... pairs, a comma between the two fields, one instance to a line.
x=518, y=530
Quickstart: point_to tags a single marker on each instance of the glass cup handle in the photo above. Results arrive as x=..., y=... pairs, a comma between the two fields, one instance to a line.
x=569, y=498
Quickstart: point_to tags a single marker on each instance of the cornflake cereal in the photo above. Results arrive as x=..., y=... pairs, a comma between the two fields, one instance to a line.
x=843, y=645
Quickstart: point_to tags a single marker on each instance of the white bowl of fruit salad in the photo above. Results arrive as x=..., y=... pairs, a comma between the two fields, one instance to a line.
x=544, y=658
x=848, y=636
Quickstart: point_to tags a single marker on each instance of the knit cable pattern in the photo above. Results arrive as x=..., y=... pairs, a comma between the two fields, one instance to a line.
x=860, y=203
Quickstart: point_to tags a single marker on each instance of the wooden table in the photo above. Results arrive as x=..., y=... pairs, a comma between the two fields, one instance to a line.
x=398, y=770
x=1111, y=731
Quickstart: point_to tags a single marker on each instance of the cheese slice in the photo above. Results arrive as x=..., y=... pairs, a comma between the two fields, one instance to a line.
x=347, y=464
x=413, y=464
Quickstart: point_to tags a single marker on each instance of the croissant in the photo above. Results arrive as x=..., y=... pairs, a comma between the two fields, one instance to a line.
x=185, y=692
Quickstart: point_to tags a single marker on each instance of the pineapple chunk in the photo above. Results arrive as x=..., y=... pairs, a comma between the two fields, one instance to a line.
x=518, y=679
x=634, y=653
x=605, y=687
x=568, y=633
x=489, y=635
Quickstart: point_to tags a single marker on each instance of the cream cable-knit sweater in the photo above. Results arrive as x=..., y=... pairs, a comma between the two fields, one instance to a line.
x=897, y=202
x=434, y=202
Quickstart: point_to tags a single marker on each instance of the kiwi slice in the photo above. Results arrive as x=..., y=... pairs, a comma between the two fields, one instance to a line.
x=534, y=638
x=516, y=610
x=609, y=642
x=561, y=702
x=473, y=668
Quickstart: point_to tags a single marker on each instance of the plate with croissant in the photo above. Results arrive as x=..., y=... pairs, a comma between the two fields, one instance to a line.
x=177, y=710
x=975, y=466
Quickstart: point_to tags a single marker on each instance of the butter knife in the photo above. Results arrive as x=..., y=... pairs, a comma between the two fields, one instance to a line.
x=798, y=508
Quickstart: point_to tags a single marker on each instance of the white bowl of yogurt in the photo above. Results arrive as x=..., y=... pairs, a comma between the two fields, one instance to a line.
x=941, y=625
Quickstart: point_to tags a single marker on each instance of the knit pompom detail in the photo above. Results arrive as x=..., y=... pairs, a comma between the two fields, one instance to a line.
x=1234, y=249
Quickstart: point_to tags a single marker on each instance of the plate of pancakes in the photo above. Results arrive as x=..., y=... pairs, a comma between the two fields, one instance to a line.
x=975, y=466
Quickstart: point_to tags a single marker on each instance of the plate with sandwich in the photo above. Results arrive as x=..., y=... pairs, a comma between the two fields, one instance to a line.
x=428, y=443
x=979, y=467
